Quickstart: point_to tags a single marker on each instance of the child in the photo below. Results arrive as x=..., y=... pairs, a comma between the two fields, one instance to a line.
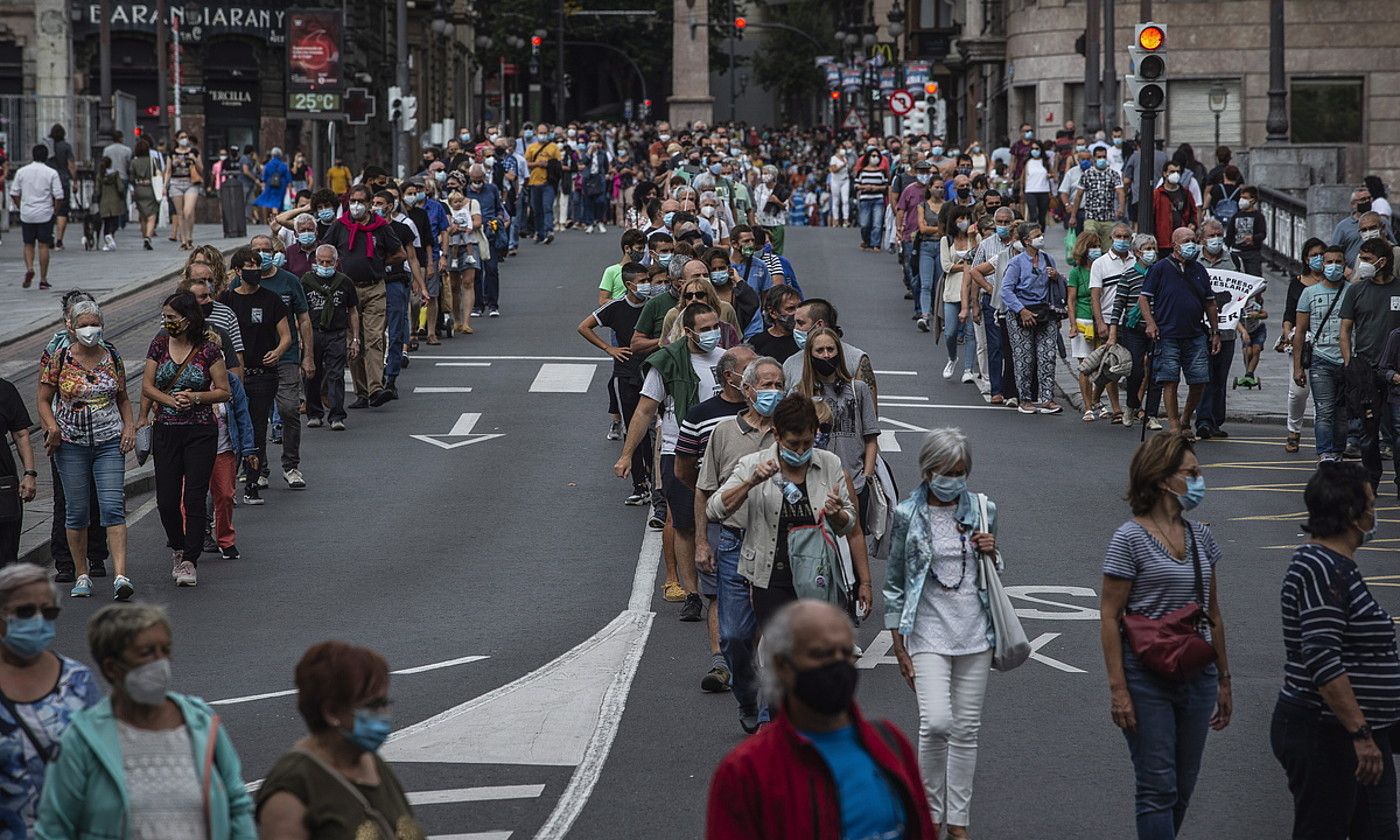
x=235, y=442
x=1253, y=332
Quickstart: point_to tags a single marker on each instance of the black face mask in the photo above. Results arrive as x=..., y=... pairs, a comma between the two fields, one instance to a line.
x=825, y=367
x=828, y=689
x=250, y=276
x=964, y=192
x=1363, y=206
x=787, y=322
x=207, y=308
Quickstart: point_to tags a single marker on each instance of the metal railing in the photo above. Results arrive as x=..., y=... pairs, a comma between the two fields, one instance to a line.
x=1287, y=218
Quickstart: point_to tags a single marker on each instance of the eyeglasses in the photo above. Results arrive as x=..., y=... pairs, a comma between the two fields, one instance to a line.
x=694, y=296
x=29, y=610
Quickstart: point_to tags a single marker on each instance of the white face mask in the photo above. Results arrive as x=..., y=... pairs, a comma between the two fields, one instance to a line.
x=1038, y=242
x=707, y=211
x=1174, y=178
x=89, y=336
x=357, y=209
x=1365, y=270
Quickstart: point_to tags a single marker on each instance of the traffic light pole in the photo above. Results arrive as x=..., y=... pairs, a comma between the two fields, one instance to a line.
x=401, y=149
x=1147, y=159
x=732, y=33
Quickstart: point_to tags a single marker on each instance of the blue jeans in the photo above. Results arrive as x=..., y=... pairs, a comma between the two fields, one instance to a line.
x=737, y=625
x=1329, y=429
x=871, y=214
x=515, y=219
x=930, y=272
x=396, y=317
x=542, y=207
x=1166, y=746
x=994, y=359
x=104, y=463
x=953, y=330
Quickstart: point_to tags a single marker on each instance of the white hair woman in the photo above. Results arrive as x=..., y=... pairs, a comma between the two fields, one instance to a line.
x=935, y=611
x=40, y=691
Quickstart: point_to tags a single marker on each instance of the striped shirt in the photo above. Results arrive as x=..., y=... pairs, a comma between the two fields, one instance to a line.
x=1332, y=627
x=872, y=176
x=221, y=317
x=701, y=420
x=1127, y=286
x=1161, y=583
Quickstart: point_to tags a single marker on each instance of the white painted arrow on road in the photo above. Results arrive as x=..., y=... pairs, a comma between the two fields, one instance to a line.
x=461, y=434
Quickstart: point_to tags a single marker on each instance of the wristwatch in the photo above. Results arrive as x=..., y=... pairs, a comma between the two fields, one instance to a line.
x=31, y=474
x=1362, y=734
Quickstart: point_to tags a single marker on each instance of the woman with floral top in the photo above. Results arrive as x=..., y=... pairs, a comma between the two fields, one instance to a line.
x=86, y=417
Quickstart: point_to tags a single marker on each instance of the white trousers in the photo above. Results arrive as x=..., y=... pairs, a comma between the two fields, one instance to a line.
x=984, y=385
x=840, y=199
x=950, y=690
x=1297, y=404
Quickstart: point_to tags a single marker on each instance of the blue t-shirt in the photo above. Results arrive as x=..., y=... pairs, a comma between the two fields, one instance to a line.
x=1178, y=297
x=870, y=810
x=287, y=286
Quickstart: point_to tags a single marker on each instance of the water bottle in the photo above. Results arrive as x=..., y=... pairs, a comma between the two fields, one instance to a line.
x=791, y=491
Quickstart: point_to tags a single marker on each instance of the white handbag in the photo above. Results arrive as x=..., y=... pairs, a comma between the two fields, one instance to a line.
x=1010, y=647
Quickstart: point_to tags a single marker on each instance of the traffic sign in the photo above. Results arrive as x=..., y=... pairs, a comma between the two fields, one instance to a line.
x=852, y=120
x=901, y=102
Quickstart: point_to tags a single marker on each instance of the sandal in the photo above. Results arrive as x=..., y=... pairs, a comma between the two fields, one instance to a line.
x=1089, y=416
x=1291, y=444
x=433, y=340
x=1115, y=418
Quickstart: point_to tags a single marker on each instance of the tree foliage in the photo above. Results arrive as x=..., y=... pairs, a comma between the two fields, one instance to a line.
x=786, y=62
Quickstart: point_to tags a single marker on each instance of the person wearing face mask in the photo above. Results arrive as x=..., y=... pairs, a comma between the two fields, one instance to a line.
x=1247, y=231
x=1370, y=312
x=1339, y=703
x=86, y=417
x=625, y=385
x=1026, y=290
x=1210, y=417
x=988, y=267
x=1172, y=206
x=820, y=769
x=458, y=298
x=1100, y=195
x=696, y=287
x=1311, y=257
x=40, y=691
x=838, y=183
x=491, y=240
x=646, y=339
x=1317, y=352
x=611, y=287
x=1080, y=323
x=185, y=378
x=299, y=241
x=184, y=180
x=105, y=774
x=1176, y=295
x=1034, y=182
x=1347, y=232
x=746, y=261
x=331, y=304
x=811, y=315
x=941, y=630
x=954, y=294
x=872, y=180
x=1159, y=563
x=545, y=165
x=854, y=426
x=276, y=178
x=780, y=314
x=737, y=295
x=906, y=227
x=1126, y=325
x=333, y=783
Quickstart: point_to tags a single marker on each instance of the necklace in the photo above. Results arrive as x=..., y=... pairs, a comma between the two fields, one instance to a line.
x=962, y=540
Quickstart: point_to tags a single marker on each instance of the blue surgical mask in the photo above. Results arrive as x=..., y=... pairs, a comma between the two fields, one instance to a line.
x=266, y=259
x=923, y=179
x=1121, y=246
x=370, y=730
x=326, y=215
x=1035, y=153
x=1195, y=492
x=1190, y=250
x=1100, y=163
x=800, y=336
x=1148, y=257
x=666, y=219
x=1315, y=262
x=766, y=402
x=947, y=487
x=306, y=238
x=792, y=459
x=708, y=340
x=324, y=270
x=1366, y=536
x=719, y=278
x=1334, y=272
x=1215, y=244
x=1095, y=253
x=643, y=290
x=29, y=637
x=279, y=259
x=1084, y=164
x=714, y=168
x=664, y=259
x=937, y=151
x=1003, y=231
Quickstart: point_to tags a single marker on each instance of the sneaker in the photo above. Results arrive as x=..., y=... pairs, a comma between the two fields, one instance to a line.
x=1128, y=421
x=314, y=423
x=64, y=576
x=948, y=370
x=1153, y=424
x=96, y=569
x=615, y=430
x=478, y=312
x=922, y=324
x=82, y=588
x=262, y=482
x=122, y=590
x=337, y=425
x=692, y=609
x=748, y=719
x=673, y=592
x=379, y=397
x=716, y=681
x=230, y=553
x=210, y=547
x=657, y=520
x=1203, y=432
x=637, y=499
x=146, y=243
x=493, y=312
x=1351, y=453
x=549, y=240
x=186, y=575
x=1009, y=402
x=1027, y=408
x=1049, y=408
x=969, y=377
x=294, y=479
x=359, y=403
x=251, y=496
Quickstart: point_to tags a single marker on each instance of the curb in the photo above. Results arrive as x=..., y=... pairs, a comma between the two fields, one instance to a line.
x=138, y=482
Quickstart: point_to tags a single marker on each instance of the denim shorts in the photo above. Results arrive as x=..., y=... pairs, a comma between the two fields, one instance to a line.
x=1177, y=356
x=106, y=466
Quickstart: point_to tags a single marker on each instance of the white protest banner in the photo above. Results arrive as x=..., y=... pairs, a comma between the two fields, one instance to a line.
x=1240, y=287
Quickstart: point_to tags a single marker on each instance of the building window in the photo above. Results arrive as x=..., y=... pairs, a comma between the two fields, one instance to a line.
x=1190, y=119
x=1073, y=104
x=1326, y=110
x=11, y=69
x=1023, y=104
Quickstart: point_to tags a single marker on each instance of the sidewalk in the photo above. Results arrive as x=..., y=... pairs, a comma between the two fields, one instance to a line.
x=1267, y=404
x=109, y=275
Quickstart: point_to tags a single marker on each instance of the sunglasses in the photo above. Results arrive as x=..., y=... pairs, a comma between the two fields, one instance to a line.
x=29, y=610
x=694, y=296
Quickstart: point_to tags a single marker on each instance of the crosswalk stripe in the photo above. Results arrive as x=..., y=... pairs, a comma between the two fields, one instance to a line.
x=475, y=835
x=462, y=364
x=489, y=793
x=896, y=373
x=441, y=389
x=884, y=397
x=563, y=379
x=889, y=442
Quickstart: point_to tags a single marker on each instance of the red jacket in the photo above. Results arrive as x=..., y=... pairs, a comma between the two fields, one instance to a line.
x=776, y=786
x=1162, y=216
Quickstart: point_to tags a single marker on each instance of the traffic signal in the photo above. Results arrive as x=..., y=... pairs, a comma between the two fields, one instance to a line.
x=395, y=105
x=931, y=89
x=739, y=24
x=836, y=96
x=1147, y=86
x=916, y=121
x=535, y=42
x=409, y=122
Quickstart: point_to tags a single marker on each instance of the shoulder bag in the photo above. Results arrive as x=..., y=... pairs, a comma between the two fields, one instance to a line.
x=49, y=752
x=814, y=557
x=1010, y=647
x=143, y=434
x=1306, y=358
x=1172, y=646
x=381, y=822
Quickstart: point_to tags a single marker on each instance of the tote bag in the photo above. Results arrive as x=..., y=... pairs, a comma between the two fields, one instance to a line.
x=1011, y=647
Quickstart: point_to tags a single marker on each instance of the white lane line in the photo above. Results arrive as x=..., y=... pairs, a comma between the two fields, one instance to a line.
x=897, y=397
x=465, y=424
x=644, y=581
x=475, y=835
x=896, y=373
x=141, y=513
x=563, y=379
x=490, y=793
x=908, y=427
x=417, y=669
x=888, y=442
x=441, y=389
x=462, y=364
x=884, y=404
x=518, y=358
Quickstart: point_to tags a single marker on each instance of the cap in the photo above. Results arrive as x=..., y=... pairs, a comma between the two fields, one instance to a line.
x=923, y=166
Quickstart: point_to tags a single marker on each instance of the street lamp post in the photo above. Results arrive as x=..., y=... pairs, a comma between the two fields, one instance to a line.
x=104, y=78
x=1276, y=124
x=1218, y=98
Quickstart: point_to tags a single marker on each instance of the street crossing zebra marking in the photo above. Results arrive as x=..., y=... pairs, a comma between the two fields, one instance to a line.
x=441, y=389
x=563, y=379
x=462, y=364
x=416, y=669
x=490, y=793
x=888, y=442
x=475, y=835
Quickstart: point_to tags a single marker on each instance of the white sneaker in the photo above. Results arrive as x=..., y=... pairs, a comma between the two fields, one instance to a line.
x=948, y=371
x=1153, y=424
x=185, y=574
x=109, y=243
x=602, y=228
x=969, y=376
x=294, y=479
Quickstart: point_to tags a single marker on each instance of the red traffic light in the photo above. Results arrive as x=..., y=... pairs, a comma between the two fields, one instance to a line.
x=740, y=23
x=931, y=88
x=1151, y=38
x=835, y=95
x=646, y=102
x=536, y=40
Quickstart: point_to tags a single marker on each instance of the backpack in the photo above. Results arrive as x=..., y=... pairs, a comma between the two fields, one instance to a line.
x=275, y=179
x=1226, y=208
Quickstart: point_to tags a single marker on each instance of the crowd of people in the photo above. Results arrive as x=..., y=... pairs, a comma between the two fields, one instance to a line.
x=747, y=425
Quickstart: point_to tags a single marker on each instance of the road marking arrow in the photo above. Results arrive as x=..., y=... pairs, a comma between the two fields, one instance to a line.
x=461, y=429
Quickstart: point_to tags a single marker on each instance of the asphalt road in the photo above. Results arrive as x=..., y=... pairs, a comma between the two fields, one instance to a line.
x=585, y=712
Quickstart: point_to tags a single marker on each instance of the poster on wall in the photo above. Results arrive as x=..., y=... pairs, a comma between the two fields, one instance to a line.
x=314, y=49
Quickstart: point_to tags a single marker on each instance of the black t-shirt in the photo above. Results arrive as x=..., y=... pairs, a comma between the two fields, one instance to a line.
x=364, y=270
x=419, y=217
x=258, y=314
x=779, y=347
x=789, y=516
x=745, y=303
x=620, y=316
x=397, y=271
x=14, y=417
x=341, y=298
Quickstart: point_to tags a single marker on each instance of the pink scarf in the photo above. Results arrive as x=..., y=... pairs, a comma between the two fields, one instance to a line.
x=375, y=223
